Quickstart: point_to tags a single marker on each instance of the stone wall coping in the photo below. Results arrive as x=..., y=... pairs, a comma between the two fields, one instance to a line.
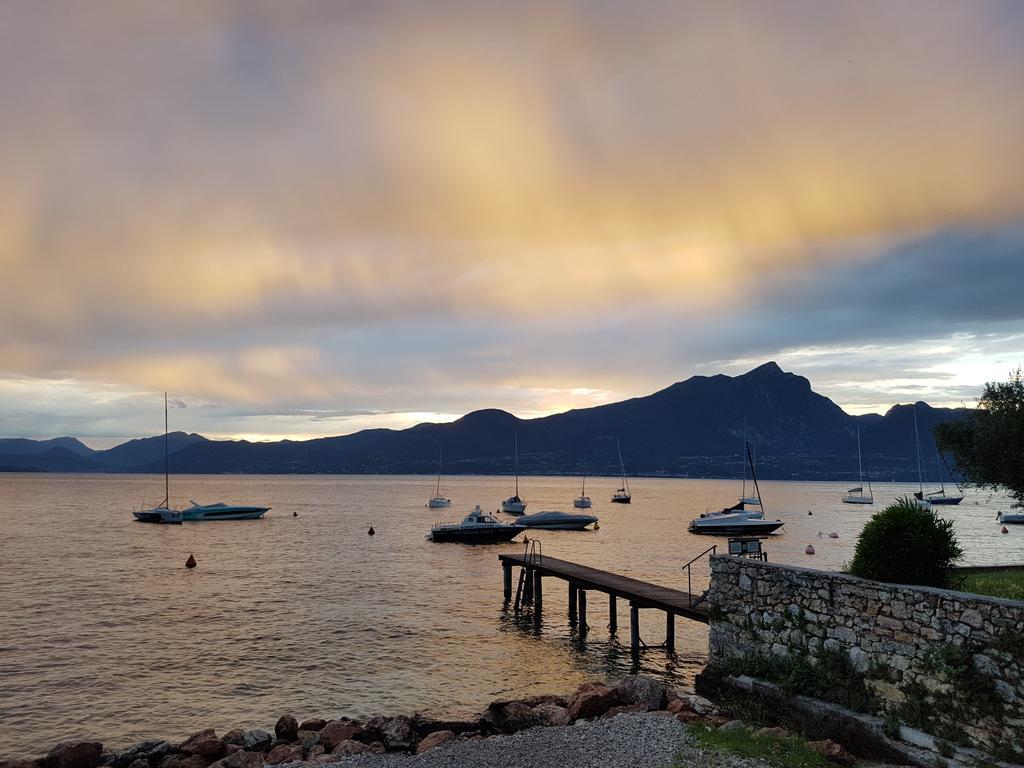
x=950, y=594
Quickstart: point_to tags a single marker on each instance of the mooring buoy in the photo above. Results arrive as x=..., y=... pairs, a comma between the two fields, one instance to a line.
x=833, y=535
x=809, y=512
x=371, y=531
x=191, y=562
x=809, y=550
x=1005, y=530
x=295, y=514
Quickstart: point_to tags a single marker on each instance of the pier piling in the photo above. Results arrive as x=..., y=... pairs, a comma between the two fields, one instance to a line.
x=507, y=582
x=572, y=602
x=670, y=632
x=613, y=614
x=583, y=611
x=634, y=628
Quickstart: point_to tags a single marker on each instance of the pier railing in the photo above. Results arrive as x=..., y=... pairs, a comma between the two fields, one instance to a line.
x=688, y=567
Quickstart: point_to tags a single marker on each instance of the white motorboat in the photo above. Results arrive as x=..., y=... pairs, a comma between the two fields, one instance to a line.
x=622, y=495
x=162, y=513
x=556, y=521
x=857, y=495
x=737, y=520
x=582, y=501
x=438, y=501
x=514, y=505
x=478, y=527
x=220, y=511
x=1011, y=518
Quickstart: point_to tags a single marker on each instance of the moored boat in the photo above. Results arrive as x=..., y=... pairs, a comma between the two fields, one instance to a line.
x=477, y=527
x=556, y=521
x=622, y=495
x=857, y=495
x=437, y=501
x=162, y=513
x=1012, y=518
x=582, y=501
x=221, y=511
x=738, y=520
x=514, y=505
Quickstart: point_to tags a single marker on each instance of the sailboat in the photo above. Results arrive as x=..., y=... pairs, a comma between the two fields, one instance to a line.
x=582, y=501
x=940, y=496
x=856, y=495
x=514, y=505
x=919, y=496
x=755, y=500
x=162, y=513
x=622, y=495
x=737, y=520
x=438, y=501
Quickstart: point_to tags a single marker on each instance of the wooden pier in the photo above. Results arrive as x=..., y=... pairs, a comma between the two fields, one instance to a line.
x=582, y=578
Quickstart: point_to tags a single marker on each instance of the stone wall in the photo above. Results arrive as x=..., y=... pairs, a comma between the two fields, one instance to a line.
x=948, y=663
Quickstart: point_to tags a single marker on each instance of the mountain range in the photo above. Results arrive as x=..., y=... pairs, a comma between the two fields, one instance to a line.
x=695, y=427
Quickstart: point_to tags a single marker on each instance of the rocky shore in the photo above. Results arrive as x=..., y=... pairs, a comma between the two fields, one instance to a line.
x=320, y=741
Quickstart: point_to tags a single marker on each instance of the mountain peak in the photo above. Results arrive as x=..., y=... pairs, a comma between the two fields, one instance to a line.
x=771, y=368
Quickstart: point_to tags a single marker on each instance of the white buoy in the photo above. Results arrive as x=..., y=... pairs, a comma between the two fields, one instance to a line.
x=809, y=550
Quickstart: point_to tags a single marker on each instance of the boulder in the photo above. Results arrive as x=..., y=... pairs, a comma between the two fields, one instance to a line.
x=832, y=752
x=178, y=760
x=431, y=740
x=732, y=726
x=18, y=764
x=377, y=747
x=285, y=753
x=397, y=733
x=511, y=717
x=205, y=743
x=349, y=747
x=592, y=700
x=424, y=725
x=315, y=751
x=73, y=754
x=675, y=706
x=312, y=724
x=640, y=689
x=687, y=716
x=308, y=738
x=337, y=731
x=139, y=763
x=151, y=751
x=700, y=705
x=240, y=759
x=551, y=714
x=256, y=740
x=773, y=733
x=625, y=708
x=286, y=728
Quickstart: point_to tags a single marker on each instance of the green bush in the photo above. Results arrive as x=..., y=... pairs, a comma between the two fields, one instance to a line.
x=905, y=544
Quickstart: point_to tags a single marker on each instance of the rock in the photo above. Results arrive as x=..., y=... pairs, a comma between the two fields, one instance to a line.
x=511, y=717
x=431, y=740
x=774, y=733
x=240, y=759
x=18, y=764
x=625, y=708
x=308, y=738
x=315, y=751
x=139, y=763
x=424, y=725
x=151, y=751
x=285, y=753
x=312, y=724
x=178, y=760
x=286, y=728
x=551, y=714
x=733, y=726
x=832, y=751
x=256, y=740
x=206, y=743
x=640, y=689
x=73, y=754
x=349, y=747
x=591, y=701
x=700, y=705
x=377, y=747
x=687, y=716
x=233, y=737
x=397, y=733
x=678, y=705
x=337, y=731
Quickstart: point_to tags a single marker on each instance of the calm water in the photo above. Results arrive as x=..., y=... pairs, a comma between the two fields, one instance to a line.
x=104, y=634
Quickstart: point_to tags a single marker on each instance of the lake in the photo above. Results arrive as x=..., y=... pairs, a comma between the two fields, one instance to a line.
x=104, y=633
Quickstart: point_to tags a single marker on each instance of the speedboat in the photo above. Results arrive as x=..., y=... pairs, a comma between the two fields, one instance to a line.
x=221, y=511
x=734, y=521
x=161, y=515
x=477, y=528
x=1013, y=517
x=556, y=521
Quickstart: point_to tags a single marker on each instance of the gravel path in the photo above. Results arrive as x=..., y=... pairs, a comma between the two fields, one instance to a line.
x=631, y=740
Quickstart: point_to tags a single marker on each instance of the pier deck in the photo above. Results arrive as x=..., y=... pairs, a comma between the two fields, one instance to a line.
x=581, y=578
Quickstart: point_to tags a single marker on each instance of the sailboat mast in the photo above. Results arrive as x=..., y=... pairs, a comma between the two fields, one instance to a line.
x=167, y=480
x=917, y=442
x=860, y=462
x=622, y=467
x=517, y=464
x=440, y=457
x=938, y=469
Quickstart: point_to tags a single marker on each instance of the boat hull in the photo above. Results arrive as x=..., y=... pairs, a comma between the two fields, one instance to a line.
x=159, y=516
x=489, y=536
x=439, y=503
x=556, y=522
x=858, y=500
x=513, y=507
x=749, y=528
x=1012, y=519
x=582, y=503
x=946, y=499
x=621, y=499
x=206, y=514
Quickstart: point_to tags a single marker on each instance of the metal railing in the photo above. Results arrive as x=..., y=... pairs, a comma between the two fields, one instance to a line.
x=689, y=576
x=534, y=551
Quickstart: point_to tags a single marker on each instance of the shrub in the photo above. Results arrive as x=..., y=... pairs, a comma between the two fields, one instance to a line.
x=906, y=544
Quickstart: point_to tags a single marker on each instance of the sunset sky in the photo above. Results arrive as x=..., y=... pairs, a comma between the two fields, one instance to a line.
x=308, y=218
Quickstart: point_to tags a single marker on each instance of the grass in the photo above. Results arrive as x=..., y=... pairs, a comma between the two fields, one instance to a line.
x=1009, y=584
x=779, y=752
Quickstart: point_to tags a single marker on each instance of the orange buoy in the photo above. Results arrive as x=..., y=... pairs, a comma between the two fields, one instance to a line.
x=371, y=531
x=1005, y=530
x=809, y=550
x=191, y=562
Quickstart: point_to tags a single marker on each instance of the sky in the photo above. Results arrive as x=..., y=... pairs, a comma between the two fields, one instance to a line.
x=308, y=218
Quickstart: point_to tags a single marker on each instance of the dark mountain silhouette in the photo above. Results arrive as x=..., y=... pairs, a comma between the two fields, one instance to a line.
x=695, y=427
x=26, y=447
